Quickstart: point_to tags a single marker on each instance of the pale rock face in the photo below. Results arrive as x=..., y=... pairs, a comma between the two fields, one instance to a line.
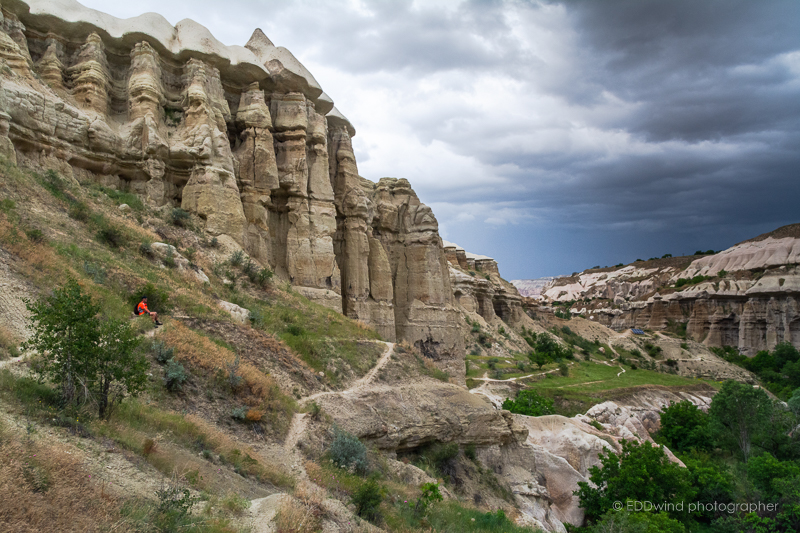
x=242, y=137
x=239, y=314
x=423, y=299
x=407, y=416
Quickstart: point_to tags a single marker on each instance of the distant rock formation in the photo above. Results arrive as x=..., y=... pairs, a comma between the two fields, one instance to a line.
x=532, y=288
x=243, y=137
x=747, y=296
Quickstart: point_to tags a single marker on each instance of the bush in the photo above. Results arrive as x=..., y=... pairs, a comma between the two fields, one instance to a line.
x=441, y=457
x=234, y=377
x=169, y=258
x=97, y=273
x=239, y=413
x=264, y=276
x=529, y=402
x=146, y=249
x=174, y=376
x=347, y=451
x=35, y=235
x=162, y=352
x=367, y=499
x=180, y=218
x=174, y=506
x=430, y=494
x=79, y=211
x=563, y=369
x=111, y=236
x=236, y=258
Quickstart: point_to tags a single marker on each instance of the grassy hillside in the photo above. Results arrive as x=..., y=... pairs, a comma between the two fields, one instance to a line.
x=208, y=433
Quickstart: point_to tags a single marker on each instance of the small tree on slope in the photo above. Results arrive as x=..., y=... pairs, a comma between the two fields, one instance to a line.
x=77, y=348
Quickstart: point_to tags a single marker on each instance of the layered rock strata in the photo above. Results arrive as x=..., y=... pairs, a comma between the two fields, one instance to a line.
x=242, y=137
x=750, y=299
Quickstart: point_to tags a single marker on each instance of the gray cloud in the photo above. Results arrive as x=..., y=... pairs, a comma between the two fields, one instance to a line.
x=558, y=126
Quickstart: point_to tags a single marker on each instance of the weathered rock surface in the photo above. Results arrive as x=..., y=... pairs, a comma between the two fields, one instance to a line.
x=407, y=416
x=242, y=137
x=751, y=301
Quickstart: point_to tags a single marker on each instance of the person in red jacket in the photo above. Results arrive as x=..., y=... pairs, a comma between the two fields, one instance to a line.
x=142, y=309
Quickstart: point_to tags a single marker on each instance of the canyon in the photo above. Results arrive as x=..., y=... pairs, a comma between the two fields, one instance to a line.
x=747, y=296
x=245, y=141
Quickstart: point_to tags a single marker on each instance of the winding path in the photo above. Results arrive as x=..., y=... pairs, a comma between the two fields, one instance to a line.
x=361, y=383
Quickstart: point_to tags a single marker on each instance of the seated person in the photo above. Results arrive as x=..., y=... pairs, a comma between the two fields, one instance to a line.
x=142, y=309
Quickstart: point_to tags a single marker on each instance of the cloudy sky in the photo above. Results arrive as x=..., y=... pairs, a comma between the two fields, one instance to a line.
x=555, y=136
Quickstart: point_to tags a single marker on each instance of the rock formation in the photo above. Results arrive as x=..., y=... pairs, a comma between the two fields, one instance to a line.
x=747, y=296
x=242, y=137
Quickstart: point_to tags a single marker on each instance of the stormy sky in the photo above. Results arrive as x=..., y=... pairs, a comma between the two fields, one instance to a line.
x=555, y=136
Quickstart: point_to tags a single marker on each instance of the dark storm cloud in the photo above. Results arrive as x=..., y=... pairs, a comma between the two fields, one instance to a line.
x=674, y=121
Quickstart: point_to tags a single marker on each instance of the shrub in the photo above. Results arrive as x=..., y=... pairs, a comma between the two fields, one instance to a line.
x=149, y=446
x=162, y=352
x=441, y=457
x=476, y=327
x=347, y=451
x=174, y=505
x=236, y=258
x=264, y=276
x=563, y=369
x=529, y=402
x=97, y=273
x=469, y=451
x=35, y=235
x=189, y=253
x=367, y=499
x=234, y=377
x=174, y=376
x=180, y=218
x=239, y=413
x=7, y=205
x=79, y=211
x=146, y=249
x=430, y=494
x=169, y=258
x=294, y=329
x=111, y=236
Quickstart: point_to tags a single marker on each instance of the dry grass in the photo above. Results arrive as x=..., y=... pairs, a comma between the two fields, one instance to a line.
x=298, y=516
x=258, y=390
x=46, y=489
x=9, y=344
x=41, y=261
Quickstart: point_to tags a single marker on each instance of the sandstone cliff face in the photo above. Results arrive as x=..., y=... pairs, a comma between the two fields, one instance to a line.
x=751, y=300
x=243, y=137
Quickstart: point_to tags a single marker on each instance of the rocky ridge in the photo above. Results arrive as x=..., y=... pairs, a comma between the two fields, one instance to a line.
x=745, y=296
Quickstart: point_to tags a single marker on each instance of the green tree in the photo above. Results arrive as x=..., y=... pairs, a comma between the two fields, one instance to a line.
x=739, y=413
x=64, y=331
x=76, y=347
x=641, y=472
x=117, y=368
x=538, y=359
x=684, y=426
x=794, y=402
x=529, y=402
x=629, y=522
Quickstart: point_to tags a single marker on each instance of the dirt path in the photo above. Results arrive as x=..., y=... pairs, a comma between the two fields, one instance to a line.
x=361, y=383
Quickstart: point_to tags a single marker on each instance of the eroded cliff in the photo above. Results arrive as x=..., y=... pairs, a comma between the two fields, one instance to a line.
x=242, y=137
